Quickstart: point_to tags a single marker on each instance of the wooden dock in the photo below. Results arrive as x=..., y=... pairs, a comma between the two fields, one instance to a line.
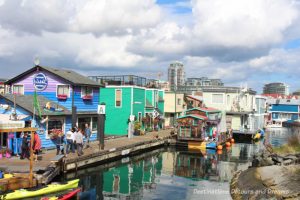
x=50, y=166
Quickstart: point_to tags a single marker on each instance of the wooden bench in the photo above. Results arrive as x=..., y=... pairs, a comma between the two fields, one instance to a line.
x=57, y=158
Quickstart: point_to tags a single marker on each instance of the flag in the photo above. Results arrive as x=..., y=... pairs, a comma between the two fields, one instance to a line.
x=36, y=105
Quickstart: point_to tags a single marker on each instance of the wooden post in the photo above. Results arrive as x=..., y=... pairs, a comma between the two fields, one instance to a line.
x=31, y=160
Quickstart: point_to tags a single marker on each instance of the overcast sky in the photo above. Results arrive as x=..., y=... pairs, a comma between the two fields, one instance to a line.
x=239, y=41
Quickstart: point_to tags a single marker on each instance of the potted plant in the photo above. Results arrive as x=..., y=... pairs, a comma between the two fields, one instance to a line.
x=137, y=128
x=62, y=96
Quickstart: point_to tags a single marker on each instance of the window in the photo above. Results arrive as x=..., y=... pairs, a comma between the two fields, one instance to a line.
x=118, y=98
x=54, y=127
x=217, y=98
x=86, y=91
x=178, y=101
x=63, y=90
x=18, y=89
x=94, y=123
x=82, y=121
x=228, y=99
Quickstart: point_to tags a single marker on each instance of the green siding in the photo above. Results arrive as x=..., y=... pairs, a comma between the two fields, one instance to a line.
x=149, y=96
x=116, y=117
x=161, y=104
x=138, y=101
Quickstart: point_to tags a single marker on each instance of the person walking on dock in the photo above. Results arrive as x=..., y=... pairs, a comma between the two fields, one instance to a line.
x=37, y=144
x=25, y=147
x=88, y=134
x=79, y=142
x=70, y=141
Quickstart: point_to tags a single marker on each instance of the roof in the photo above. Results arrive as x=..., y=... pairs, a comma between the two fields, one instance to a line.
x=197, y=98
x=26, y=102
x=281, y=96
x=206, y=109
x=196, y=116
x=69, y=76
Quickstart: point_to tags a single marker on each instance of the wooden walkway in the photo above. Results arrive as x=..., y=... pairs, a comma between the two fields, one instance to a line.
x=45, y=170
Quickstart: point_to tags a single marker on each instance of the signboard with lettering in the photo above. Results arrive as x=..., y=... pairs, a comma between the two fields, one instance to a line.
x=40, y=82
x=101, y=109
x=12, y=124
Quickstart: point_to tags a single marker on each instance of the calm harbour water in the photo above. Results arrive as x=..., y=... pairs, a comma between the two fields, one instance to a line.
x=170, y=173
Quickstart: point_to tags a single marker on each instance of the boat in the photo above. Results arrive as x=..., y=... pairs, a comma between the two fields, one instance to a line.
x=66, y=196
x=52, y=188
x=211, y=145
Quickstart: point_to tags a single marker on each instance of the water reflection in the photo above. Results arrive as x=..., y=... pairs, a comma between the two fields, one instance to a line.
x=171, y=173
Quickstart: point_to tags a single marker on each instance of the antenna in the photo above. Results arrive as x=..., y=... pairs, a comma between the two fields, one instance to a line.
x=36, y=61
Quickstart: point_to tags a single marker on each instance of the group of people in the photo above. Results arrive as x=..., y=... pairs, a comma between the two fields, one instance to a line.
x=74, y=140
x=25, y=147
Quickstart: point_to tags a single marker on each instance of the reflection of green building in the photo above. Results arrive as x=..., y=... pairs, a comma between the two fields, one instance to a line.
x=130, y=179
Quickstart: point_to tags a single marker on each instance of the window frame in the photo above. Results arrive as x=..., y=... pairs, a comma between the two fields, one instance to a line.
x=121, y=95
x=69, y=93
x=13, y=88
x=85, y=87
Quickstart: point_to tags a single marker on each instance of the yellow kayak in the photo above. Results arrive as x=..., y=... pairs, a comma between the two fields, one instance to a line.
x=52, y=188
x=257, y=136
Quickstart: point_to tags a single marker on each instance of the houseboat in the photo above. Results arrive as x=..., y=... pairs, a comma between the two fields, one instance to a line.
x=282, y=110
x=132, y=106
x=200, y=125
x=65, y=99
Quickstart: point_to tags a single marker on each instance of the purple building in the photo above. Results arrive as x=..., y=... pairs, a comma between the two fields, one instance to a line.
x=60, y=92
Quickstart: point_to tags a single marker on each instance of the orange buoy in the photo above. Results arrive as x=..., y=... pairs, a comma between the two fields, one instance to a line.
x=232, y=140
x=227, y=144
x=220, y=147
x=219, y=152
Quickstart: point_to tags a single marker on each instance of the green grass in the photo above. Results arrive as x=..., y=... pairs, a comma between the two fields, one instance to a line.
x=292, y=146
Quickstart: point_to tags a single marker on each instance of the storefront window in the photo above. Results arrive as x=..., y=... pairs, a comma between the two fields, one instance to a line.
x=18, y=89
x=82, y=121
x=55, y=126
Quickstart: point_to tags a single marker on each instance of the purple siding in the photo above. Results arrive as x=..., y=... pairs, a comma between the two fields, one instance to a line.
x=53, y=81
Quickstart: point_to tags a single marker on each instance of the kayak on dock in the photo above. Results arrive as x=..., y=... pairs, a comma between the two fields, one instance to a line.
x=52, y=188
x=65, y=196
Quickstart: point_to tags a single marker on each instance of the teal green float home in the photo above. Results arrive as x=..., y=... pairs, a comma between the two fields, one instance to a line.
x=127, y=98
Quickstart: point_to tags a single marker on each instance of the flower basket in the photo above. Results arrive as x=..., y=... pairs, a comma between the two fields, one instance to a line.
x=55, y=133
x=87, y=97
x=62, y=96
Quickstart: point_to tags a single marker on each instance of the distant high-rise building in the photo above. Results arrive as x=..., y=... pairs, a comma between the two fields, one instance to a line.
x=176, y=75
x=276, y=88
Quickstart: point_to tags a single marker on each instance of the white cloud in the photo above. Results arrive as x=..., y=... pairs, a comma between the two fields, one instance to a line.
x=242, y=23
x=115, y=17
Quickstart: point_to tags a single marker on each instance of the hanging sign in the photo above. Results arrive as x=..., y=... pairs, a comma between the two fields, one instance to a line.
x=40, y=82
x=101, y=109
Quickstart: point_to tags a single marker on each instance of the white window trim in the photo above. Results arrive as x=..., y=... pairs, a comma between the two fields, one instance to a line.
x=63, y=85
x=18, y=85
x=116, y=98
x=92, y=94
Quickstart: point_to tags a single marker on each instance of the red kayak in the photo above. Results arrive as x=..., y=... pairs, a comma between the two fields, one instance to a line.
x=65, y=196
x=70, y=194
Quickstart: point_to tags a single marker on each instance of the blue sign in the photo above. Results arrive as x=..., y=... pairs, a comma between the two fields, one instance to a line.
x=40, y=82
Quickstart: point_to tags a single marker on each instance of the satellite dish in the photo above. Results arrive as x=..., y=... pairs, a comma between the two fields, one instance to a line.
x=36, y=61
